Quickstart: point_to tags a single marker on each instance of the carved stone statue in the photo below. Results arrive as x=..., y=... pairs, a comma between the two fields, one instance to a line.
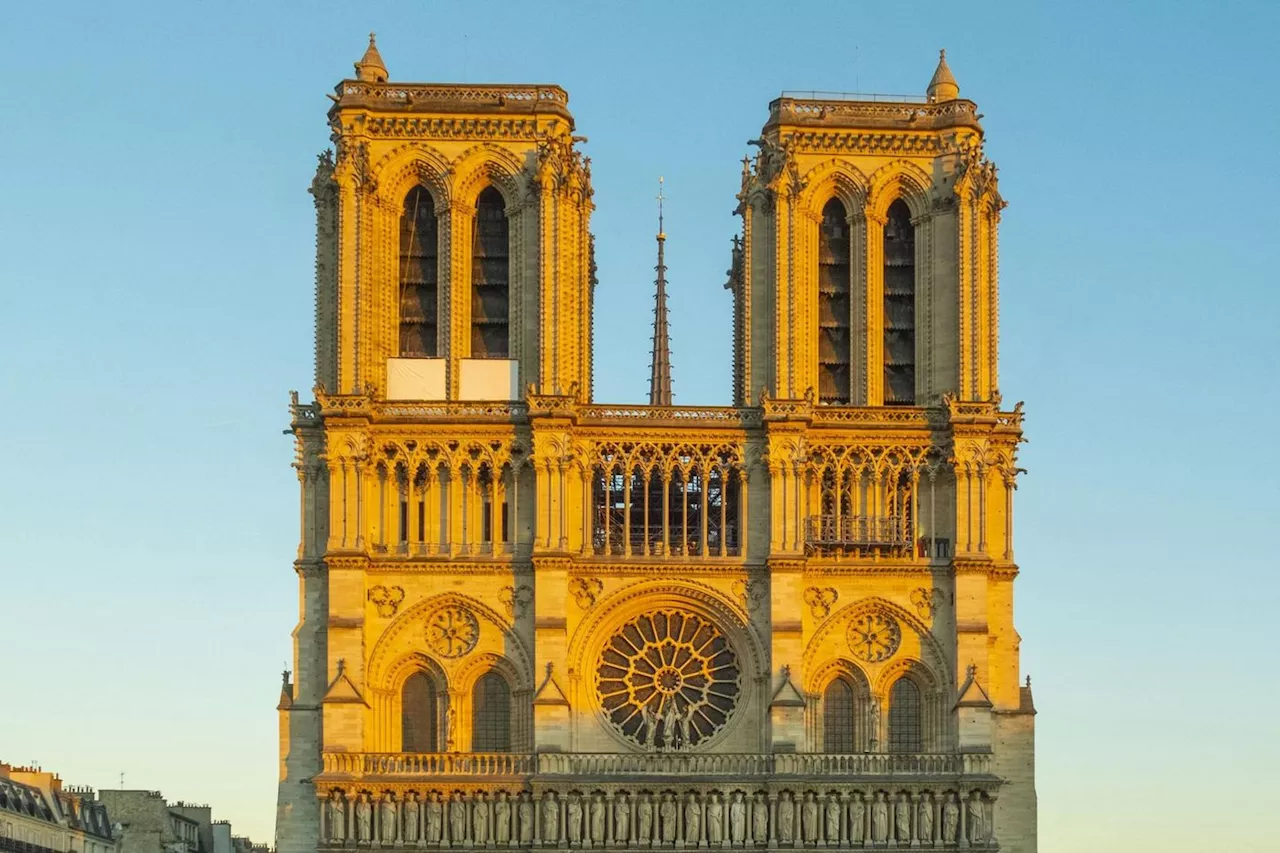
x=480, y=818
x=621, y=818
x=573, y=821
x=737, y=819
x=873, y=724
x=388, y=814
x=364, y=819
x=976, y=820
x=457, y=819
x=670, y=725
x=450, y=729
x=649, y=726
x=597, y=819
x=786, y=818
x=502, y=819
x=684, y=724
x=644, y=819
x=715, y=820
x=412, y=815
x=760, y=820
x=550, y=818
x=879, y=820
x=525, y=812
x=337, y=817
x=857, y=819
x=924, y=820
x=692, y=821
x=950, y=820
x=809, y=819
x=667, y=815
x=833, y=819
x=902, y=819
x=435, y=818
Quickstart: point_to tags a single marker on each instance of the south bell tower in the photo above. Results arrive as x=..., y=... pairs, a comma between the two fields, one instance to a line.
x=533, y=621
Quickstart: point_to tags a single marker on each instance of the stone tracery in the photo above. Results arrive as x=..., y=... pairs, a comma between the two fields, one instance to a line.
x=669, y=679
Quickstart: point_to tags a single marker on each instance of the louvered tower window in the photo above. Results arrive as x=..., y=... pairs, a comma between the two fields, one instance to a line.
x=899, y=307
x=491, y=714
x=837, y=717
x=418, y=239
x=490, y=271
x=833, y=305
x=905, y=728
x=418, y=714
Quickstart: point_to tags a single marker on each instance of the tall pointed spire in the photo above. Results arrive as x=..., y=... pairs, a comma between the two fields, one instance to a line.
x=660, y=373
x=943, y=86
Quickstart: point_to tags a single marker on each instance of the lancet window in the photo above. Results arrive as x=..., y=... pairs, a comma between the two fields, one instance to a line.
x=418, y=714
x=490, y=278
x=491, y=714
x=899, y=306
x=419, y=236
x=837, y=717
x=664, y=500
x=906, y=717
x=834, y=363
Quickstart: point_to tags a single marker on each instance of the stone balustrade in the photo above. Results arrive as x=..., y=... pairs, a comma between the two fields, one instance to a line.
x=611, y=766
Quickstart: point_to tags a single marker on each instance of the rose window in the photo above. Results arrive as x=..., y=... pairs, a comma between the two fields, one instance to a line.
x=452, y=631
x=874, y=636
x=668, y=679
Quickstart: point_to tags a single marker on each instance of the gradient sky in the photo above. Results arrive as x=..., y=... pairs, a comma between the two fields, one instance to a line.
x=156, y=307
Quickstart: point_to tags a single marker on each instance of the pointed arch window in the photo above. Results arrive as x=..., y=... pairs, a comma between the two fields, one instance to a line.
x=419, y=236
x=418, y=714
x=899, y=306
x=490, y=278
x=491, y=714
x=905, y=712
x=837, y=717
x=833, y=305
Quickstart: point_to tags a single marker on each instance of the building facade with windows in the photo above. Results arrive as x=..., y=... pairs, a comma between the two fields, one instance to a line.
x=528, y=619
x=38, y=814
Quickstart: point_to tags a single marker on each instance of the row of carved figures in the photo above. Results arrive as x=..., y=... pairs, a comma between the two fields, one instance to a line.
x=644, y=818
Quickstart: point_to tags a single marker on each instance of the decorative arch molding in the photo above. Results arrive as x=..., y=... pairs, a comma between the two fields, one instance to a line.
x=900, y=179
x=909, y=668
x=834, y=178
x=414, y=164
x=486, y=165
x=838, y=621
x=474, y=667
x=817, y=680
x=392, y=645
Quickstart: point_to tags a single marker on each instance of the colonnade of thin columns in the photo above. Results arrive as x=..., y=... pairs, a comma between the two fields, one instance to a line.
x=441, y=508
x=671, y=534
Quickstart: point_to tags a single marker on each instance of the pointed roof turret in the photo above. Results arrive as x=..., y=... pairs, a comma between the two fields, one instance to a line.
x=660, y=368
x=943, y=86
x=371, y=68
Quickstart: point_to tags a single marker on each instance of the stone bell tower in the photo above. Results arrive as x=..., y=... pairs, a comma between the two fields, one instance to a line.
x=869, y=253
x=454, y=252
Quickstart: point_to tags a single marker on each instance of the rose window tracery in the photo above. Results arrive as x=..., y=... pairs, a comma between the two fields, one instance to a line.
x=452, y=631
x=668, y=679
x=874, y=636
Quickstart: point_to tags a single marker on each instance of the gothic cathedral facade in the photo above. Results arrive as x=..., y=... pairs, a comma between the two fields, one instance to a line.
x=531, y=620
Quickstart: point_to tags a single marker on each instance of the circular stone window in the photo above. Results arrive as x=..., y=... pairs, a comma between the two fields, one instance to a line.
x=668, y=680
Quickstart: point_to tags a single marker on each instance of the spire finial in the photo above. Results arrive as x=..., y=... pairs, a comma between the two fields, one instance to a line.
x=943, y=86
x=371, y=68
x=660, y=368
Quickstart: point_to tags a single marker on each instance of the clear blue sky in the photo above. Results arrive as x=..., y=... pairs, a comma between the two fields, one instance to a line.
x=155, y=309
